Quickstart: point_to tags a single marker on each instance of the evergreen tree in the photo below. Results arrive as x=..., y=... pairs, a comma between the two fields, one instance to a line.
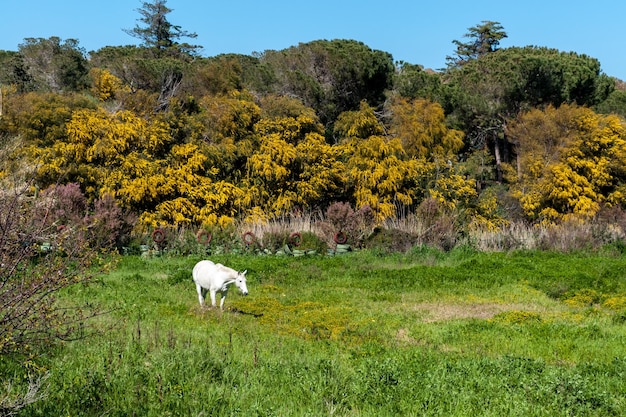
x=485, y=39
x=157, y=32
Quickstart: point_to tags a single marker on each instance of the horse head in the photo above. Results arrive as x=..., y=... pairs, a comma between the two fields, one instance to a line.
x=240, y=282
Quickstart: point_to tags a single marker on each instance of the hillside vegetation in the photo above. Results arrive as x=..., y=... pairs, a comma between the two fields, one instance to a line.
x=502, y=135
x=424, y=242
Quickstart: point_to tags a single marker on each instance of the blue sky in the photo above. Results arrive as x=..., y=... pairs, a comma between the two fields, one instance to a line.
x=419, y=32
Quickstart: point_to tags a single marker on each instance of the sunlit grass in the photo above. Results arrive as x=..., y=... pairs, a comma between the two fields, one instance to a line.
x=424, y=333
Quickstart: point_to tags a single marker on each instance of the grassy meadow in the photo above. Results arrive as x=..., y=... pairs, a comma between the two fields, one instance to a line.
x=426, y=333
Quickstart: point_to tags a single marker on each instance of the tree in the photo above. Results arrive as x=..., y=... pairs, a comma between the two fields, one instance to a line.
x=40, y=118
x=485, y=39
x=420, y=125
x=13, y=71
x=378, y=174
x=52, y=64
x=361, y=123
x=496, y=87
x=153, y=81
x=615, y=103
x=413, y=81
x=570, y=161
x=331, y=76
x=158, y=33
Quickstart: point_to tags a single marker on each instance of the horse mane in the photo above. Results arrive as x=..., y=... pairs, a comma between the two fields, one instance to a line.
x=226, y=268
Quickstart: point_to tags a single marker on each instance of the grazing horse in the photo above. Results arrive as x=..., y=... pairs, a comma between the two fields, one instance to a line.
x=217, y=277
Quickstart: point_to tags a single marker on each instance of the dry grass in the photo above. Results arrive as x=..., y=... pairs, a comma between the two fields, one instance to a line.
x=515, y=235
x=444, y=231
x=438, y=311
x=286, y=224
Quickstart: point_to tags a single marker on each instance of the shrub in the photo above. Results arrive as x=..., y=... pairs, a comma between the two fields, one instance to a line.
x=583, y=298
x=109, y=225
x=63, y=207
x=37, y=261
x=390, y=240
x=310, y=241
x=274, y=240
x=341, y=217
x=615, y=303
x=440, y=227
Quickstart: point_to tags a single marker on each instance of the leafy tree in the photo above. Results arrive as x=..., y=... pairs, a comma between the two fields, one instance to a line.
x=615, y=103
x=52, y=64
x=412, y=81
x=278, y=106
x=157, y=32
x=154, y=79
x=485, y=39
x=420, y=125
x=159, y=66
x=321, y=176
x=361, y=123
x=293, y=166
x=225, y=73
x=106, y=86
x=228, y=128
x=570, y=161
x=379, y=174
x=40, y=118
x=331, y=76
x=494, y=88
x=137, y=163
x=13, y=71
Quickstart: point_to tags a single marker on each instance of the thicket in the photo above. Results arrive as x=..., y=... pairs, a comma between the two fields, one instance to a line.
x=502, y=137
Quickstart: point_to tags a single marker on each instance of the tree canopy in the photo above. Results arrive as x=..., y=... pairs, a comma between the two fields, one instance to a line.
x=157, y=32
x=484, y=39
x=184, y=140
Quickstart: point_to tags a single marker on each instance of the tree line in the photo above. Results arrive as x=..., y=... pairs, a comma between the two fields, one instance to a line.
x=501, y=134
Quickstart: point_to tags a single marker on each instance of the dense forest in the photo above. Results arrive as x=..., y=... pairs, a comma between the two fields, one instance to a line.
x=528, y=134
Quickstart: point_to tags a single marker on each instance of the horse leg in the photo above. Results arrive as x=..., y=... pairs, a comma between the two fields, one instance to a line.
x=213, y=297
x=200, y=295
x=224, y=292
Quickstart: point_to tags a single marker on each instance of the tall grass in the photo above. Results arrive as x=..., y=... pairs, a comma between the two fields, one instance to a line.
x=428, y=226
x=461, y=333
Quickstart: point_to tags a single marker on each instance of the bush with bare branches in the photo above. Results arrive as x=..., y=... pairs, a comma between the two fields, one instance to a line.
x=39, y=257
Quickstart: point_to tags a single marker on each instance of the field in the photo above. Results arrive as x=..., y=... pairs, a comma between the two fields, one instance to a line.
x=425, y=333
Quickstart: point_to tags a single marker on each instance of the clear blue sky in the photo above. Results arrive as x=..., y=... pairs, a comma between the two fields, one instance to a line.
x=419, y=32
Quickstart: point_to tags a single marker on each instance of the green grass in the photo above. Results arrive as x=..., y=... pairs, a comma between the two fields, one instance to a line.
x=362, y=334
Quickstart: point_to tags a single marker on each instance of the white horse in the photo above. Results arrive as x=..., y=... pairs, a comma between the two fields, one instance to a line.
x=217, y=277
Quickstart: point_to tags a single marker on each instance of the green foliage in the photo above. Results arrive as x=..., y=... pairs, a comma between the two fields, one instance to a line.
x=41, y=118
x=615, y=103
x=389, y=241
x=158, y=32
x=497, y=86
x=517, y=317
x=53, y=65
x=485, y=39
x=187, y=141
x=413, y=81
x=420, y=125
x=331, y=76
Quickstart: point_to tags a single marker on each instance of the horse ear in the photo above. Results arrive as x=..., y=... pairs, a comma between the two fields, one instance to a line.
x=244, y=272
